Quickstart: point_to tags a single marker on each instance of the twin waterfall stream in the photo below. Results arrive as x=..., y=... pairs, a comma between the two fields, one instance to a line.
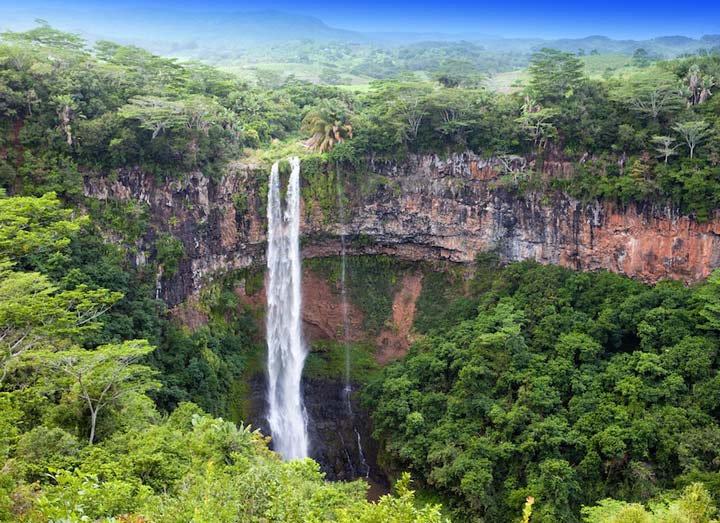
x=286, y=348
x=287, y=417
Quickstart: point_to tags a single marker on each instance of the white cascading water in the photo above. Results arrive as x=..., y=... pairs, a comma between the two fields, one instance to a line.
x=286, y=349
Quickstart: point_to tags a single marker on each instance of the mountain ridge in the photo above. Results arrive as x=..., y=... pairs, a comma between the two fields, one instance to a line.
x=160, y=28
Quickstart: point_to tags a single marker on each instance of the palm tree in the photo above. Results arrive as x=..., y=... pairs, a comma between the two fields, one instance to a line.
x=328, y=124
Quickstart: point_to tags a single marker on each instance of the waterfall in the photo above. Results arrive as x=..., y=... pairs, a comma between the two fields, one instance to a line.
x=347, y=390
x=286, y=349
x=343, y=286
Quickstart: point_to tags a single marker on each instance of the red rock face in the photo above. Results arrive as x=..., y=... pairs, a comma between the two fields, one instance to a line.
x=648, y=247
x=322, y=312
x=448, y=210
x=394, y=340
x=423, y=209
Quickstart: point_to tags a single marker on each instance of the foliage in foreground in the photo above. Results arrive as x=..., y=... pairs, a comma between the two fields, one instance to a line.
x=693, y=505
x=81, y=441
x=192, y=467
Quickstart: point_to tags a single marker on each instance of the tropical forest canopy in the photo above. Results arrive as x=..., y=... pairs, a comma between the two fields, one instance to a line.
x=532, y=391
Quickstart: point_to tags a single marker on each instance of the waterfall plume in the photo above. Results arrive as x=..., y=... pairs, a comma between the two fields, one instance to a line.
x=286, y=348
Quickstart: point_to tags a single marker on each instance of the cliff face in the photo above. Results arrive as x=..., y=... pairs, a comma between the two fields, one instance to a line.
x=340, y=439
x=422, y=209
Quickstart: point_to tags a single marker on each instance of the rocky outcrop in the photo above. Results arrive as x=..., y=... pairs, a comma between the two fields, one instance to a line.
x=424, y=208
x=322, y=311
x=394, y=340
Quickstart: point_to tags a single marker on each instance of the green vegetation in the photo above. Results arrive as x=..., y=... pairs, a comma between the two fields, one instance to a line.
x=442, y=299
x=81, y=441
x=356, y=65
x=647, y=135
x=531, y=392
x=371, y=284
x=694, y=504
x=327, y=360
x=327, y=125
x=207, y=364
x=569, y=387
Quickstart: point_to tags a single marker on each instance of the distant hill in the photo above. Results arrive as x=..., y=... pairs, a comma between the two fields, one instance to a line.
x=156, y=26
x=176, y=31
x=266, y=26
x=665, y=46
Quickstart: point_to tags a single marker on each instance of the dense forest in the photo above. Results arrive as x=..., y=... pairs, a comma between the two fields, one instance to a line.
x=532, y=392
x=569, y=387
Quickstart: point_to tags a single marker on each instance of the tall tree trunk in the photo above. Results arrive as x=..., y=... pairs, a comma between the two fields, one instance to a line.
x=93, y=421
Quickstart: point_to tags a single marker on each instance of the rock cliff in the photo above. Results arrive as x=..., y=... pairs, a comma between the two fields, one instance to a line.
x=424, y=208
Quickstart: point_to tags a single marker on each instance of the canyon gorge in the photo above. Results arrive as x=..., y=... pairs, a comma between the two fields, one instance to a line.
x=424, y=210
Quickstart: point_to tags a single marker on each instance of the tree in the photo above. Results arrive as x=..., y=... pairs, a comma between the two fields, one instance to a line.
x=709, y=298
x=47, y=36
x=268, y=78
x=402, y=508
x=536, y=122
x=67, y=112
x=328, y=125
x=651, y=93
x=34, y=313
x=394, y=112
x=664, y=146
x=697, y=86
x=557, y=488
x=412, y=107
x=452, y=114
x=641, y=57
x=554, y=75
x=693, y=133
x=330, y=76
x=695, y=504
x=158, y=114
x=448, y=80
x=35, y=225
x=102, y=376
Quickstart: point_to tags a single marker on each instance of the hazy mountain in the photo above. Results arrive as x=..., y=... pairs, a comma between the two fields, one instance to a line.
x=176, y=31
x=162, y=25
x=663, y=45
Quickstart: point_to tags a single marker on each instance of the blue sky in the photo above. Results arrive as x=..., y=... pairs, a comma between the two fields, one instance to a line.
x=618, y=19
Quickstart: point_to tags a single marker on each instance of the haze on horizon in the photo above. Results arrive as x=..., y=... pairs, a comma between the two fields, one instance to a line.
x=642, y=19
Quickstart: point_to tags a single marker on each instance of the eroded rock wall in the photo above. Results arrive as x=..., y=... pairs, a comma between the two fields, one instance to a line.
x=424, y=208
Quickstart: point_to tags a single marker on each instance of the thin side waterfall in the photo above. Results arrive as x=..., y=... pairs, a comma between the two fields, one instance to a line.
x=343, y=286
x=347, y=390
x=286, y=348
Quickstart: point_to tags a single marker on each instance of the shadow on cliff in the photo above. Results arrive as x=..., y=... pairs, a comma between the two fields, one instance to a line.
x=340, y=437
